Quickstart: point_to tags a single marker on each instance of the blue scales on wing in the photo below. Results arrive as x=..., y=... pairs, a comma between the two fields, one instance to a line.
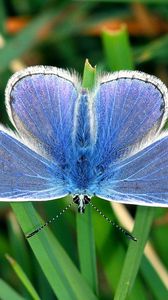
x=41, y=102
x=131, y=109
x=140, y=179
x=26, y=175
x=127, y=108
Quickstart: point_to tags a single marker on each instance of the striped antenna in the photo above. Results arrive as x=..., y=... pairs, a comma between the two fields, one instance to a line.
x=29, y=235
x=127, y=234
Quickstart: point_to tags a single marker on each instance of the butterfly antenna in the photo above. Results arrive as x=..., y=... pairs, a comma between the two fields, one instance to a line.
x=29, y=235
x=127, y=234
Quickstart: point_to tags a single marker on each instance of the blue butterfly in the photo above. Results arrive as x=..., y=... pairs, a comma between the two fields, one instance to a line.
x=105, y=142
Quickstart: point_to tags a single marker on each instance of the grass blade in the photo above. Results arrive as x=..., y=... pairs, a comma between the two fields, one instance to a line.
x=86, y=248
x=154, y=282
x=144, y=215
x=85, y=235
x=23, y=277
x=18, y=245
x=7, y=292
x=117, y=49
x=89, y=75
x=61, y=273
x=143, y=221
x=155, y=50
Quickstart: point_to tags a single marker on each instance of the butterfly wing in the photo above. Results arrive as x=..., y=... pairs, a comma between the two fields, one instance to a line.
x=130, y=111
x=25, y=175
x=130, y=107
x=140, y=179
x=41, y=102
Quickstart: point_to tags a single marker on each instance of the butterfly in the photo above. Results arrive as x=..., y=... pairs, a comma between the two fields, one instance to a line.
x=107, y=141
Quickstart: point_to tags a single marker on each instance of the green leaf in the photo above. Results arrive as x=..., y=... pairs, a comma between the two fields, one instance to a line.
x=156, y=49
x=119, y=56
x=86, y=248
x=7, y=292
x=61, y=273
x=23, y=277
x=143, y=221
x=117, y=49
x=85, y=234
x=154, y=282
x=89, y=75
x=112, y=251
x=18, y=245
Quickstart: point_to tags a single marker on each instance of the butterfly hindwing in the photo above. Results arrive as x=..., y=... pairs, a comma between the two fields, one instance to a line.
x=140, y=179
x=25, y=175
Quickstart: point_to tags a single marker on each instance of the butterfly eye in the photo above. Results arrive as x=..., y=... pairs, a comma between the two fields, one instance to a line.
x=76, y=199
x=86, y=199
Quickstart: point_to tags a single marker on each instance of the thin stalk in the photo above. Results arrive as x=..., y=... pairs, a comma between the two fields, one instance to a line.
x=85, y=234
x=61, y=273
x=23, y=277
x=143, y=222
x=117, y=49
x=119, y=57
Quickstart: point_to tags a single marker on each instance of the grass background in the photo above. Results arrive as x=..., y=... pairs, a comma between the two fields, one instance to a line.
x=82, y=257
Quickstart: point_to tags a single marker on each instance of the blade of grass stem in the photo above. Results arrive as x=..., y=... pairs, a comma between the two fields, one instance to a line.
x=89, y=75
x=23, y=277
x=86, y=248
x=144, y=215
x=112, y=252
x=18, y=246
x=2, y=18
x=152, y=278
x=19, y=250
x=7, y=292
x=85, y=235
x=61, y=273
x=117, y=49
x=156, y=49
x=143, y=221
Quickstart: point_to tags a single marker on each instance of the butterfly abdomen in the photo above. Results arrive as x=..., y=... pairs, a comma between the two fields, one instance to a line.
x=82, y=132
x=82, y=144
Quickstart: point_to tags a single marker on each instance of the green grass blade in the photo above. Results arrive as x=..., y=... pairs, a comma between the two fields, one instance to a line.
x=154, y=282
x=7, y=292
x=155, y=50
x=117, y=49
x=2, y=18
x=61, y=273
x=18, y=246
x=144, y=215
x=23, y=277
x=85, y=235
x=112, y=252
x=89, y=76
x=86, y=248
x=143, y=221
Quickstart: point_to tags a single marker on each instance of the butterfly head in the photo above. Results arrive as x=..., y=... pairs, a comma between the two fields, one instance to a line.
x=81, y=201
